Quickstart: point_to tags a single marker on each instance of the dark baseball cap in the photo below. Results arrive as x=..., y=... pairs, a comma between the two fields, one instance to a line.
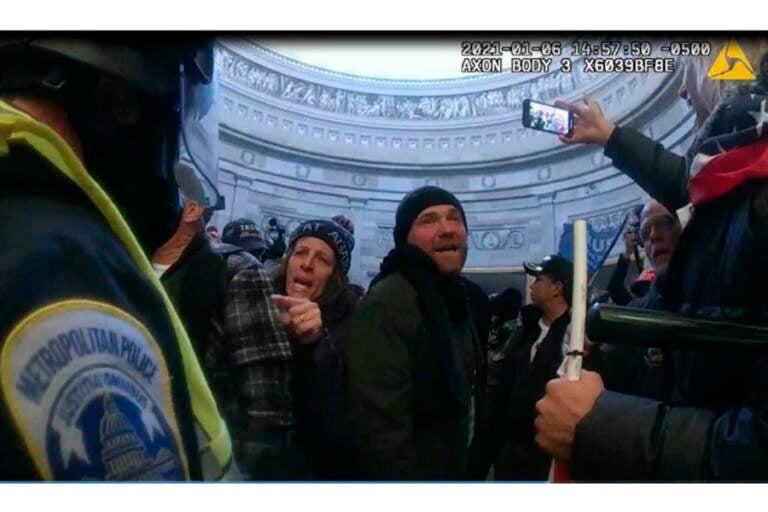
x=243, y=233
x=554, y=266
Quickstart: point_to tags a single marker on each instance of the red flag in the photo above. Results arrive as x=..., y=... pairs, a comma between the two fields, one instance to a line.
x=722, y=173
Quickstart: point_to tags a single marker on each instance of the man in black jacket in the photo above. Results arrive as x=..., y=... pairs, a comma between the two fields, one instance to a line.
x=415, y=363
x=532, y=360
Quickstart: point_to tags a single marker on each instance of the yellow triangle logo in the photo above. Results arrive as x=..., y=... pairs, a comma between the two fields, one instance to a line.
x=731, y=64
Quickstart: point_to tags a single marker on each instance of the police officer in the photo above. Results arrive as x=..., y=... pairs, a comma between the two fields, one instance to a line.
x=99, y=380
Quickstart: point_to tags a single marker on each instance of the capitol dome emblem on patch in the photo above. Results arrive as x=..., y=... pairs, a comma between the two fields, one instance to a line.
x=89, y=391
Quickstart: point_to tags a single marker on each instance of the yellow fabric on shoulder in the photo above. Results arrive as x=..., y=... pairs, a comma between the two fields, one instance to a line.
x=17, y=126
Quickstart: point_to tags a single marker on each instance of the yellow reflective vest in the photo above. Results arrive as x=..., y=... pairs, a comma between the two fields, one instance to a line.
x=212, y=435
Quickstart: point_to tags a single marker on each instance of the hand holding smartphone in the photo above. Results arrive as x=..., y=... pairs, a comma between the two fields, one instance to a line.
x=547, y=118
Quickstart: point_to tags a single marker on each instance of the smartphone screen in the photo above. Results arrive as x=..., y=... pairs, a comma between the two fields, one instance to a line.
x=547, y=118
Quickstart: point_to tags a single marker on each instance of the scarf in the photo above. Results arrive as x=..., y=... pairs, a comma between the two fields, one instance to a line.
x=442, y=300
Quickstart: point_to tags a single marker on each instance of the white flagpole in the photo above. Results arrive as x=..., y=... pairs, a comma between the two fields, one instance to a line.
x=578, y=322
x=578, y=301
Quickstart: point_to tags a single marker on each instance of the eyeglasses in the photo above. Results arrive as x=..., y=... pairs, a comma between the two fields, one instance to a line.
x=661, y=223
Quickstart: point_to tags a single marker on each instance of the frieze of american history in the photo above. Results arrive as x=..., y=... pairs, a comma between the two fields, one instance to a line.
x=497, y=101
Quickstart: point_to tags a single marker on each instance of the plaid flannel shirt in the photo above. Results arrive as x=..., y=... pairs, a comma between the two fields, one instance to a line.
x=259, y=350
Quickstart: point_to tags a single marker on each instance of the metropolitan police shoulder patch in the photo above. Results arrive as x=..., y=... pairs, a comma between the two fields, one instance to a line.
x=89, y=392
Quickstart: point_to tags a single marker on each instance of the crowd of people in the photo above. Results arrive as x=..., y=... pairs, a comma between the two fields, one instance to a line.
x=165, y=350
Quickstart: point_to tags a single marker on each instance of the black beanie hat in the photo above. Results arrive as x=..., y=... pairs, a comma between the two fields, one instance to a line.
x=416, y=202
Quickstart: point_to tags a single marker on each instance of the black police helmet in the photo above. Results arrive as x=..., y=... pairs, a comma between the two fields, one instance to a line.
x=133, y=161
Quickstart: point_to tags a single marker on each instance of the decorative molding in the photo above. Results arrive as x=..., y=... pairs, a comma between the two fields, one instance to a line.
x=489, y=181
x=247, y=157
x=384, y=142
x=494, y=102
x=497, y=239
